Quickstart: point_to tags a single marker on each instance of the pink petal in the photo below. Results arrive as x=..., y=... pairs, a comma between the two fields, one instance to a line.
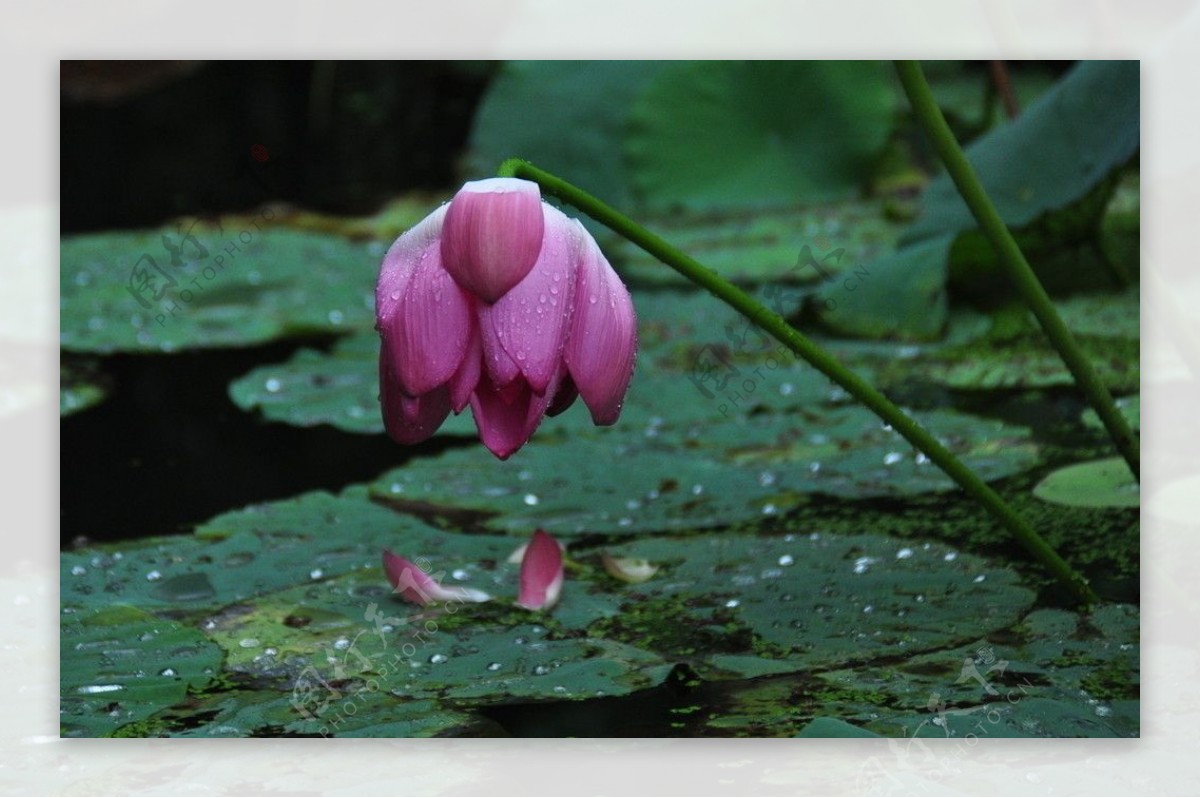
x=541, y=573
x=492, y=235
x=507, y=417
x=418, y=587
x=602, y=345
x=408, y=419
x=532, y=319
x=401, y=261
x=431, y=327
x=463, y=383
x=500, y=367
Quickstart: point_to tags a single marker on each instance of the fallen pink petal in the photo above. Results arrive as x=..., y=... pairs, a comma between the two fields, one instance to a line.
x=541, y=573
x=418, y=587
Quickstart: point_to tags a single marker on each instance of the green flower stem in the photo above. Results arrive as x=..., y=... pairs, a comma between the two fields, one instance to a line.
x=778, y=327
x=1014, y=263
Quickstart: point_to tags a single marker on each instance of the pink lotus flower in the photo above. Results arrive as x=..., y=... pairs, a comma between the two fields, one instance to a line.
x=499, y=301
x=541, y=577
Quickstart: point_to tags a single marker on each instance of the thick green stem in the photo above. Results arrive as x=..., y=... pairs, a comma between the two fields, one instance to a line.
x=1013, y=261
x=777, y=326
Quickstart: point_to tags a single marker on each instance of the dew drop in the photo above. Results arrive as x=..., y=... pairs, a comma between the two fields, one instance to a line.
x=530, y=499
x=904, y=554
x=92, y=689
x=541, y=670
x=153, y=576
x=494, y=666
x=732, y=603
x=438, y=659
x=786, y=560
x=78, y=570
x=167, y=672
x=273, y=385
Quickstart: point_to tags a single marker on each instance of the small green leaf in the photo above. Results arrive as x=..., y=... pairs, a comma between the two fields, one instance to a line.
x=1100, y=483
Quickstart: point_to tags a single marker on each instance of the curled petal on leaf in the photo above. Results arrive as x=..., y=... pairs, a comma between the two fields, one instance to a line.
x=418, y=587
x=541, y=573
x=628, y=569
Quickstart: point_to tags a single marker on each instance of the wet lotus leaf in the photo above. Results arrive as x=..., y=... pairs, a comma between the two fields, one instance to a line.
x=261, y=549
x=1056, y=673
x=692, y=473
x=1100, y=483
x=1129, y=406
x=716, y=133
x=763, y=245
x=243, y=286
x=311, y=640
x=817, y=600
x=120, y=664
